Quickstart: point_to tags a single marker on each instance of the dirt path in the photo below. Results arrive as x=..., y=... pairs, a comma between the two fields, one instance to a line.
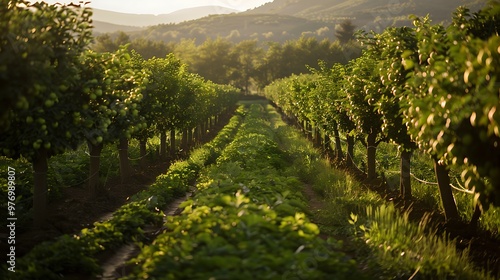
x=115, y=266
x=315, y=201
x=316, y=204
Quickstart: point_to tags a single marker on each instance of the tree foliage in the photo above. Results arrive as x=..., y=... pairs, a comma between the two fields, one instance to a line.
x=58, y=94
x=345, y=31
x=431, y=87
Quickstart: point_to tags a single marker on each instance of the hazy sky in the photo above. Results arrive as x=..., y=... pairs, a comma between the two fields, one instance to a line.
x=163, y=7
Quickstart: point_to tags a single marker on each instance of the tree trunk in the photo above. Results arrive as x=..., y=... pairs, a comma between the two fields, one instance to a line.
x=143, y=152
x=371, y=155
x=198, y=134
x=327, y=143
x=163, y=144
x=184, y=141
x=443, y=179
x=204, y=128
x=190, y=138
x=40, y=166
x=207, y=126
x=405, y=182
x=338, y=146
x=95, y=166
x=350, y=151
x=309, y=131
x=475, y=217
x=172, y=143
x=125, y=168
x=317, y=136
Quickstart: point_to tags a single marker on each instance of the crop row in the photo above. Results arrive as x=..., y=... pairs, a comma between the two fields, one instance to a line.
x=78, y=254
x=59, y=95
x=246, y=220
x=430, y=88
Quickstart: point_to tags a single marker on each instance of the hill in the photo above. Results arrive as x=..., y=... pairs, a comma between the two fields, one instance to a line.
x=238, y=27
x=142, y=20
x=283, y=20
x=105, y=27
x=367, y=14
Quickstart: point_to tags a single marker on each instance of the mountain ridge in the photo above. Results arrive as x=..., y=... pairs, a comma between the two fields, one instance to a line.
x=143, y=20
x=368, y=14
x=238, y=27
x=295, y=18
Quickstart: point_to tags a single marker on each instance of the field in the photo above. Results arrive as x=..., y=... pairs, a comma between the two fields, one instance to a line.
x=384, y=164
x=265, y=203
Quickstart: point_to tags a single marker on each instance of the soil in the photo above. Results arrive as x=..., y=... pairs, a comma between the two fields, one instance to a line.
x=316, y=204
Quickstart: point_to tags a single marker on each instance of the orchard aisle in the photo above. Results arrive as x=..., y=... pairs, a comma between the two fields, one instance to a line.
x=259, y=187
x=248, y=218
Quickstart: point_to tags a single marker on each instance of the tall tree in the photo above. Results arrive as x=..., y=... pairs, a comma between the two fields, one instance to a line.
x=104, y=43
x=362, y=91
x=345, y=31
x=215, y=61
x=248, y=54
x=148, y=49
x=454, y=102
x=390, y=49
x=111, y=92
x=42, y=63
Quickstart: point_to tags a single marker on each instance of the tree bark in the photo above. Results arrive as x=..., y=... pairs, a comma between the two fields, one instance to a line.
x=405, y=182
x=125, y=168
x=317, y=136
x=207, y=126
x=95, y=166
x=190, y=142
x=163, y=144
x=198, y=134
x=350, y=151
x=338, y=146
x=371, y=155
x=184, y=140
x=172, y=143
x=443, y=179
x=40, y=166
x=327, y=143
x=475, y=217
x=309, y=131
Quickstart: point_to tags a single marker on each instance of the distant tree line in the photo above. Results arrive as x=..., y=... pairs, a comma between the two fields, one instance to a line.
x=249, y=65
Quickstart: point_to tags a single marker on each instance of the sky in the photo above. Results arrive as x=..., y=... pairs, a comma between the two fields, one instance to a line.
x=162, y=6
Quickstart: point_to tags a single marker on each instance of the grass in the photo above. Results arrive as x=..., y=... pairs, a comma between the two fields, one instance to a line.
x=405, y=249
x=384, y=242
